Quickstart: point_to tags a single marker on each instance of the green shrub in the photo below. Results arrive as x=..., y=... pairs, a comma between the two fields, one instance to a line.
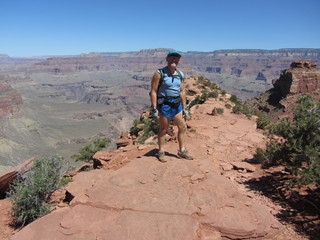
x=149, y=126
x=207, y=83
x=86, y=153
x=135, y=129
x=210, y=84
x=201, y=79
x=219, y=110
x=190, y=93
x=242, y=108
x=234, y=99
x=195, y=101
x=204, y=91
x=300, y=151
x=260, y=155
x=262, y=120
x=203, y=98
x=30, y=193
x=213, y=94
x=228, y=106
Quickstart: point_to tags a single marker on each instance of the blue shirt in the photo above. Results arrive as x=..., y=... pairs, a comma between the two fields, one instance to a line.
x=171, y=84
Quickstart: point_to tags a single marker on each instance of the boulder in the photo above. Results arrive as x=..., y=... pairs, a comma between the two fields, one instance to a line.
x=11, y=174
x=301, y=78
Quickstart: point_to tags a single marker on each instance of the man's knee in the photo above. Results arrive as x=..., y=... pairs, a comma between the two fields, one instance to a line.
x=182, y=128
x=163, y=129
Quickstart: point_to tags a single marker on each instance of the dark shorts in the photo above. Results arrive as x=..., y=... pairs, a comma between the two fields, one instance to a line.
x=169, y=111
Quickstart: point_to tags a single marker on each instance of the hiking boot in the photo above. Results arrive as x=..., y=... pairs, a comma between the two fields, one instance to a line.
x=161, y=156
x=185, y=154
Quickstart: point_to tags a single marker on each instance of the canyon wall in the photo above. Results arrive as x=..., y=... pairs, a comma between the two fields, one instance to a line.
x=69, y=101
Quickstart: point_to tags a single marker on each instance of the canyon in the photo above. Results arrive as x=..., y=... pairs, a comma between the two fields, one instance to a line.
x=224, y=193
x=59, y=104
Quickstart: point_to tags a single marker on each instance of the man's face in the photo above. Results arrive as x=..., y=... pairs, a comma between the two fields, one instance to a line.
x=173, y=61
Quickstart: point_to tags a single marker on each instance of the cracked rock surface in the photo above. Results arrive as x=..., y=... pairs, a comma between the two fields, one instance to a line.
x=200, y=199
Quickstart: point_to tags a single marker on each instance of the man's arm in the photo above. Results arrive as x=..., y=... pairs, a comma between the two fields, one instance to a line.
x=184, y=101
x=183, y=95
x=154, y=89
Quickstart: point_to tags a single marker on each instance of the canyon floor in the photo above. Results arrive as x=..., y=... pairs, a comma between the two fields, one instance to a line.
x=134, y=196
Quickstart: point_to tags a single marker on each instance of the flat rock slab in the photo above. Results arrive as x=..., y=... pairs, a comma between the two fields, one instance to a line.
x=179, y=199
x=147, y=199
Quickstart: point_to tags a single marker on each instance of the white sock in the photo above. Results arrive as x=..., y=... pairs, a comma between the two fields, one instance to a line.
x=182, y=149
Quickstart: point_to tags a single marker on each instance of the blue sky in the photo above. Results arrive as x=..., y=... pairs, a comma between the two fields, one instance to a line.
x=67, y=27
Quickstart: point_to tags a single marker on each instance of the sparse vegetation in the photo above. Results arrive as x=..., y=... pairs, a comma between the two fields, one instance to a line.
x=213, y=94
x=190, y=93
x=30, y=193
x=149, y=127
x=262, y=120
x=242, y=108
x=234, y=99
x=299, y=148
x=228, y=106
x=192, y=130
x=207, y=83
x=86, y=153
x=219, y=110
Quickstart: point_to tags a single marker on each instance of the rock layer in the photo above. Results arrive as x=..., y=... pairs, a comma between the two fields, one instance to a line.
x=10, y=99
x=301, y=78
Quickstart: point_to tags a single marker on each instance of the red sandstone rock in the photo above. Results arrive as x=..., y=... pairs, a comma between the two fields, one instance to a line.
x=243, y=166
x=7, y=177
x=302, y=78
x=122, y=142
x=146, y=199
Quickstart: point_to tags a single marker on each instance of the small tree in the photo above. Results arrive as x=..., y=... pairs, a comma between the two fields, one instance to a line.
x=86, y=153
x=30, y=193
x=300, y=149
x=262, y=120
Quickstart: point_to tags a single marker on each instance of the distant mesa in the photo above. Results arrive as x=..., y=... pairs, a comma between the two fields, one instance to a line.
x=4, y=56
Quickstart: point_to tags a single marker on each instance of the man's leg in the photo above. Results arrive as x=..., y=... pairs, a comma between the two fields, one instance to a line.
x=182, y=153
x=164, y=123
x=181, y=130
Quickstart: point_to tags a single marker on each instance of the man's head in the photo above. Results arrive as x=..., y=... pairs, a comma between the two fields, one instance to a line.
x=173, y=58
x=174, y=53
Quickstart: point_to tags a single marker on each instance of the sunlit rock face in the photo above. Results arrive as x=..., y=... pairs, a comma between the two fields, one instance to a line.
x=10, y=99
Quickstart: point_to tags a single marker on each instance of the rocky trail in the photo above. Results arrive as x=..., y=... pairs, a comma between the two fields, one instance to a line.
x=134, y=196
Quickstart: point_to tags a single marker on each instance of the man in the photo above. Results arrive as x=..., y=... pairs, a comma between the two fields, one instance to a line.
x=168, y=98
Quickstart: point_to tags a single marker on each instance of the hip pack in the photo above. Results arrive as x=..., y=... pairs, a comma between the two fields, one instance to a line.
x=173, y=102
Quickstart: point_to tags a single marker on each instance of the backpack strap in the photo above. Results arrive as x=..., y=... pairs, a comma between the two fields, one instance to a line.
x=160, y=70
x=180, y=75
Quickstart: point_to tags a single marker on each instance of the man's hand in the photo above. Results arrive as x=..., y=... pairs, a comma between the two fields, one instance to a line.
x=154, y=113
x=186, y=114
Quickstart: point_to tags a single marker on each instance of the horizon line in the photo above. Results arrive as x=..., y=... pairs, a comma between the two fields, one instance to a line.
x=6, y=55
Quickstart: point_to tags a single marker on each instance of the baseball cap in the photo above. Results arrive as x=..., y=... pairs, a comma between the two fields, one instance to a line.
x=174, y=53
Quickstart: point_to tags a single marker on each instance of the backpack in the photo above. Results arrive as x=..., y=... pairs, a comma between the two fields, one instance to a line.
x=162, y=76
